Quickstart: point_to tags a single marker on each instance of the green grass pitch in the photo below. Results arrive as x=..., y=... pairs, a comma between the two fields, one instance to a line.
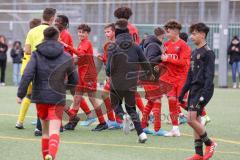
x=84, y=144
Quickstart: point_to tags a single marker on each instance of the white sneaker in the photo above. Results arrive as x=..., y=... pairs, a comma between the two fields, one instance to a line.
x=142, y=138
x=173, y=133
x=2, y=84
x=126, y=123
x=48, y=157
x=234, y=85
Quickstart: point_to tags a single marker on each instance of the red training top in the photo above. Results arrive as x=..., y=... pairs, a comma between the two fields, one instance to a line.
x=178, y=61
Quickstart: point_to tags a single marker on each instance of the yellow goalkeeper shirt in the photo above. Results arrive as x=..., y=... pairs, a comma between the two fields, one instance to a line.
x=34, y=37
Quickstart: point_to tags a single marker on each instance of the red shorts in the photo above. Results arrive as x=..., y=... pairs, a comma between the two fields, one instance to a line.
x=152, y=91
x=176, y=90
x=50, y=111
x=87, y=86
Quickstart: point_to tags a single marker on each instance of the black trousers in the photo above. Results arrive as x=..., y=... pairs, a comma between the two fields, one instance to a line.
x=117, y=97
x=3, y=64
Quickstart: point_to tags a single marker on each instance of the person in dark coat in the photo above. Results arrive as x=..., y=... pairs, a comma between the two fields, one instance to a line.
x=47, y=70
x=124, y=60
x=17, y=55
x=3, y=58
x=234, y=59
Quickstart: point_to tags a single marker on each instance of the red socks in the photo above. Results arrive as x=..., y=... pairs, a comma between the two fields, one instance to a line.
x=157, y=115
x=146, y=113
x=173, y=109
x=45, y=150
x=110, y=113
x=53, y=145
x=139, y=102
x=50, y=146
x=84, y=106
x=99, y=114
x=204, y=113
x=118, y=119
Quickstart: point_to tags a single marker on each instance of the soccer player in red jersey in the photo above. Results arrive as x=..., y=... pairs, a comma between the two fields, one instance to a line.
x=177, y=60
x=114, y=122
x=87, y=74
x=62, y=23
x=126, y=13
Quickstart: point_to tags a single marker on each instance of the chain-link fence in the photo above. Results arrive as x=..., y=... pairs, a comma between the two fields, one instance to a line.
x=147, y=14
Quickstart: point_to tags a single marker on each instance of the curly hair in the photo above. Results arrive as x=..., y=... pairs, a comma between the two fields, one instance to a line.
x=123, y=12
x=172, y=24
x=84, y=27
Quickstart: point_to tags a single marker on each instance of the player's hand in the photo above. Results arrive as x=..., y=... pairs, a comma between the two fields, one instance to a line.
x=64, y=44
x=19, y=100
x=99, y=56
x=164, y=57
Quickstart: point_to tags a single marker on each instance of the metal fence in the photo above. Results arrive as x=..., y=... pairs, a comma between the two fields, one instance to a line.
x=147, y=14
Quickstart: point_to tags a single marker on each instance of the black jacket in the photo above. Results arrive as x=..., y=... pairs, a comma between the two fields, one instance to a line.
x=125, y=60
x=200, y=75
x=3, y=51
x=47, y=69
x=17, y=55
x=234, y=55
x=152, y=50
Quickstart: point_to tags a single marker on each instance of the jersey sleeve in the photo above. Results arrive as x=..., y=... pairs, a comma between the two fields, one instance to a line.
x=28, y=38
x=82, y=49
x=184, y=56
x=209, y=68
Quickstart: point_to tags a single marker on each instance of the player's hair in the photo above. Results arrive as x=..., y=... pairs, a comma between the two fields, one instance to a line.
x=121, y=24
x=173, y=24
x=184, y=36
x=84, y=27
x=34, y=23
x=65, y=20
x=123, y=12
x=48, y=13
x=111, y=25
x=199, y=27
x=51, y=33
x=158, y=31
x=121, y=27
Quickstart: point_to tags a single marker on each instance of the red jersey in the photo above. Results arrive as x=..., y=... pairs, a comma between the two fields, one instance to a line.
x=105, y=49
x=86, y=66
x=134, y=32
x=66, y=38
x=178, y=61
